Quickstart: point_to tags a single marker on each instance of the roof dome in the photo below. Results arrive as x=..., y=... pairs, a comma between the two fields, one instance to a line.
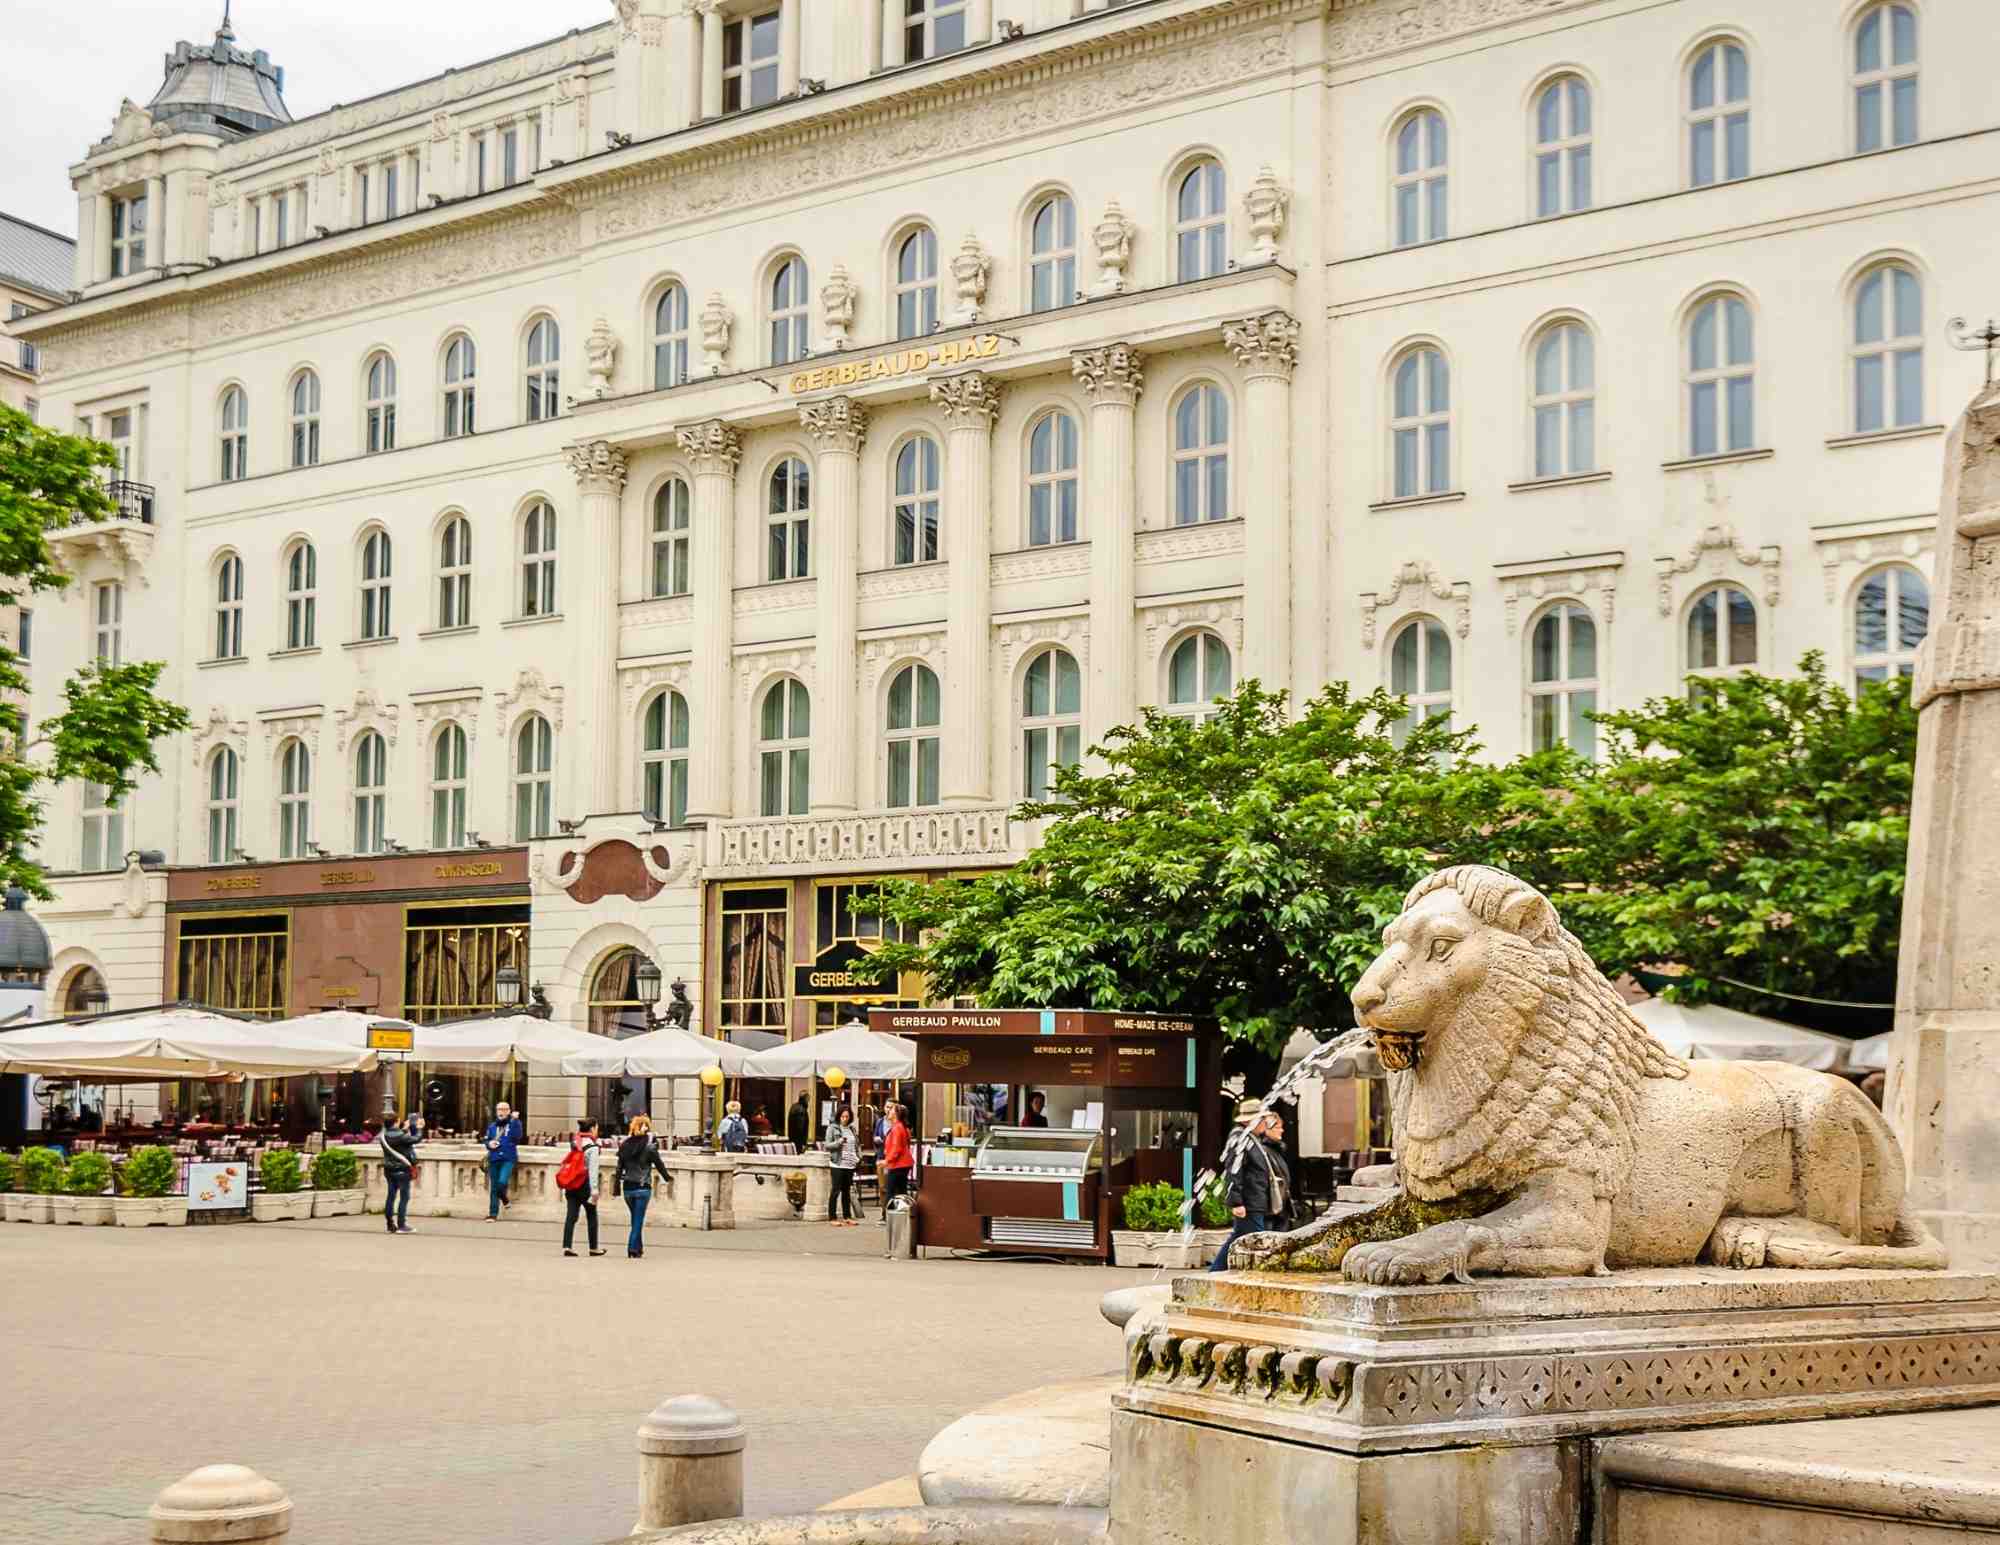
x=24, y=946
x=219, y=88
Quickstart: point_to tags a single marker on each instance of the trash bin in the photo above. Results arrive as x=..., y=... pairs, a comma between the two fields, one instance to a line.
x=902, y=1230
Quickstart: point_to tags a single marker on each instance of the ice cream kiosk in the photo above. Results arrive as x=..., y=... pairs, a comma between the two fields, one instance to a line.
x=1037, y=1121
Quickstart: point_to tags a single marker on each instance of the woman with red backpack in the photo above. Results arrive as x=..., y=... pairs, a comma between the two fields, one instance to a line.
x=576, y=1178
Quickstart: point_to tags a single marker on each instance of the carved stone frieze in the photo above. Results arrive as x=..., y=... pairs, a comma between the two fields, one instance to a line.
x=639, y=682
x=864, y=842
x=878, y=654
x=835, y=424
x=712, y=448
x=1711, y=552
x=970, y=401
x=1109, y=374
x=1379, y=26
x=784, y=596
x=1203, y=539
x=756, y=671
x=366, y=712
x=531, y=692
x=219, y=729
x=905, y=580
x=1423, y=579
x=1591, y=580
x=1845, y=550
x=461, y=708
x=1053, y=562
x=1221, y=617
x=1266, y=345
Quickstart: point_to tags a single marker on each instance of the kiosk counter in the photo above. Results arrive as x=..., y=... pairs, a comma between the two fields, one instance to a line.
x=1055, y=1113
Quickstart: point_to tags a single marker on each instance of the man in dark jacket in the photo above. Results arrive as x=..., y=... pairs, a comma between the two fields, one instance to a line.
x=399, y=1168
x=1260, y=1184
x=798, y=1124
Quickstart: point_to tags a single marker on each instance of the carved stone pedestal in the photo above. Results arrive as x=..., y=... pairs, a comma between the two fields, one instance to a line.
x=1282, y=1410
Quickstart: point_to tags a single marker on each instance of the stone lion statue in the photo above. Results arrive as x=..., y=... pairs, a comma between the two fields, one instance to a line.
x=1555, y=1136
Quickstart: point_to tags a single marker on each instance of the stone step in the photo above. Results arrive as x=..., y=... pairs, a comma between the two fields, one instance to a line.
x=1368, y=1196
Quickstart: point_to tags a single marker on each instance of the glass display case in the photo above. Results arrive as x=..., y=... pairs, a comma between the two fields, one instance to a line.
x=1038, y=1154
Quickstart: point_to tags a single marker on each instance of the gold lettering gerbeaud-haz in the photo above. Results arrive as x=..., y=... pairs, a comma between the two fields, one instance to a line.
x=903, y=362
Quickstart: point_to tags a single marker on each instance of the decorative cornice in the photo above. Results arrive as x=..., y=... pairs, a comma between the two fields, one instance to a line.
x=910, y=579
x=1055, y=561
x=784, y=596
x=1592, y=580
x=1422, y=577
x=712, y=447
x=1717, y=544
x=598, y=467
x=1266, y=345
x=641, y=681
x=1910, y=539
x=1222, y=617
x=1109, y=374
x=970, y=401
x=366, y=712
x=835, y=425
x=530, y=690
x=1204, y=539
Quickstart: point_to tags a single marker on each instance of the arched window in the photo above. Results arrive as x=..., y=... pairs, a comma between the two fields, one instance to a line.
x=663, y=765
x=460, y=366
x=103, y=830
x=670, y=337
x=1201, y=223
x=302, y=597
x=1051, y=719
x=84, y=990
x=916, y=284
x=1197, y=674
x=784, y=750
x=1721, y=635
x=449, y=782
x=1718, y=114
x=790, y=311
x=788, y=521
x=1563, y=401
x=1721, y=377
x=1421, y=181
x=538, y=561
x=616, y=1011
x=932, y=27
x=229, y=608
x=375, y=554
x=294, y=799
x=1562, y=147
x=1888, y=350
x=534, y=778
x=380, y=377
x=915, y=515
x=455, y=573
x=1892, y=613
x=1885, y=77
x=1562, y=680
x=1052, y=479
x=1420, y=424
x=1201, y=455
x=544, y=370
x=671, y=525
x=371, y=793
x=1052, y=254
x=223, y=806
x=1420, y=671
x=305, y=419
x=235, y=435
x=916, y=708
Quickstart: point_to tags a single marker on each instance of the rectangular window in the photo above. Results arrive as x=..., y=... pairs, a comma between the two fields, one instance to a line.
x=750, y=62
x=237, y=963
x=256, y=227
x=361, y=197
x=284, y=209
x=755, y=965
x=109, y=623
x=535, y=143
x=479, y=163
x=128, y=235
x=509, y=158
x=390, y=208
x=24, y=645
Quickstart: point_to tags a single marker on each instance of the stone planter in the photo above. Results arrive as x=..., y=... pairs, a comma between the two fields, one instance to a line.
x=145, y=1211
x=281, y=1206
x=91, y=1211
x=1173, y=1252
x=27, y=1207
x=335, y=1204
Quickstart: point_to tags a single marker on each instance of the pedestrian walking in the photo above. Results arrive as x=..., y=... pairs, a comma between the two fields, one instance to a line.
x=1260, y=1185
x=734, y=1130
x=638, y=1158
x=576, y=1178
x=503, y=1151
x=399, y=1169
x=897, y=1160
x=843, y=1148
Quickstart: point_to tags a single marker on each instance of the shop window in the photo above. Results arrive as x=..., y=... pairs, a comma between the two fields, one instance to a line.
x=83, y=986
x=617, y=1012
x=452, y=957
x=236, y=963
x=755, y=964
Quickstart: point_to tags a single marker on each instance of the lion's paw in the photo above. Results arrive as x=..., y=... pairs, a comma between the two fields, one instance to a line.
x=1743, y=1243
x=1422, y=1258
x=1254, y=1251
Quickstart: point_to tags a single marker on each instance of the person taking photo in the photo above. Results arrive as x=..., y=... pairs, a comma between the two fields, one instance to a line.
x=638, y=1158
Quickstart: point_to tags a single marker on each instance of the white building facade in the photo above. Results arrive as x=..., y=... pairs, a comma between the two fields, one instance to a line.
x=725, y=455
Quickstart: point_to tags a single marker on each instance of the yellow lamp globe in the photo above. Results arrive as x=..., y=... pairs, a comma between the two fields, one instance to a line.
x=712, y=1075
x=834, y=1077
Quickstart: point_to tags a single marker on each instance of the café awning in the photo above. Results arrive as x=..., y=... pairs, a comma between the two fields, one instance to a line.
x=175, y=1042
x=1710, y=1030
x=670, y=1052
x=855, y=1049
x=504, y=1038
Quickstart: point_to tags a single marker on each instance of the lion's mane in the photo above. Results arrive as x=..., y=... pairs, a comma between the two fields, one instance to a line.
x=1541, y=1069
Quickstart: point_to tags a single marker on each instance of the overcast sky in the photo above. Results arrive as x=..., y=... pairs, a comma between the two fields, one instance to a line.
x=70, y=61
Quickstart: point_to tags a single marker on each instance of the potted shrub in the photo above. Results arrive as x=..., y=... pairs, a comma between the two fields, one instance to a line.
x=336, y=1178
x=1155, y=1233
x=284, y=1197
x=10, y=1172
x=150, y=1176
x=41, y=1176
x=1211, y=1214
x=85, y=1195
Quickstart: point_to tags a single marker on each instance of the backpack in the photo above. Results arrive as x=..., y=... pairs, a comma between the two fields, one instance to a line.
x=573, y=1174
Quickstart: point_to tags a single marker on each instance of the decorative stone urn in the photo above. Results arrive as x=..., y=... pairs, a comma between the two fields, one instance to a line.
x=336, y=1204
x=27, y=1207
x=145, y=1211
x=281, y=1206
x=90, y=1210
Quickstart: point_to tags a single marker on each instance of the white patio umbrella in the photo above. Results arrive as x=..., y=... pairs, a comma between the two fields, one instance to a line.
x=177, y=1042
x=504, y=1038
x=670, y=1052
x=1710, y=1030
x=855, y=1049
x=1871, y=1054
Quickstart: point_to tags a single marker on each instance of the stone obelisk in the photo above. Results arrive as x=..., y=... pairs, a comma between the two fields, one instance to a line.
x=1943, y=1093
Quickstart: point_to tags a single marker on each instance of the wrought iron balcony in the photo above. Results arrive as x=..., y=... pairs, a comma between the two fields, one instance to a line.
x=134, y=500
x=123, y=536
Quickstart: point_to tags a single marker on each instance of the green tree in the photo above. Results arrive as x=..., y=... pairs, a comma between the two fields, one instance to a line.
x=1755, y=834
x=112, y=718
x=1243, y=867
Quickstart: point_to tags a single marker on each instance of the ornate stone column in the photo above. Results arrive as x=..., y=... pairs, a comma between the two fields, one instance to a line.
x=713, y=450
x=1266, y=347
x=711, y=57
x=836, y=426
x=1112, y=380
x=590, y=587
x=892, y=33
x=971, y=403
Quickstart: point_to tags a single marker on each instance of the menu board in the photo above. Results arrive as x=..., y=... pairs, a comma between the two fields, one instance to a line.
x=218, y=1187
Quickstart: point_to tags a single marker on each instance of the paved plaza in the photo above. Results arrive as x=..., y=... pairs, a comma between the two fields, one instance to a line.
x=469, y=1383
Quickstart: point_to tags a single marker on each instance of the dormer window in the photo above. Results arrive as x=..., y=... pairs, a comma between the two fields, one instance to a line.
x=128, y=235
x=750, y=62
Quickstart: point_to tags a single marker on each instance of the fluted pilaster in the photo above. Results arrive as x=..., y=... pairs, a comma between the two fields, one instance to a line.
x=836, y=426
x=591, y=758
x=1112, y=379
x=1267, y=348
x=713, y=451
x=971, y=403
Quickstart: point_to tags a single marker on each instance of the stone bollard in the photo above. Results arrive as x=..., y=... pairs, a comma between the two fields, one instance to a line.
x=221, y=1502
x=690, y=1463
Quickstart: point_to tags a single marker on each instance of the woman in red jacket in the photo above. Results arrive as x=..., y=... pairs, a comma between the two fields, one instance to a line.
x=897, y=1160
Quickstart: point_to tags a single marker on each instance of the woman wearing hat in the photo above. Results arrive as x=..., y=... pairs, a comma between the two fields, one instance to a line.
x=1260, y=1180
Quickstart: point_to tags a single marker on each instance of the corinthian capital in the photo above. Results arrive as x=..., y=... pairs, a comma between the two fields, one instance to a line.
x=970, y=401
x=598, y=466
x=1109, y=374
x=1266, y=345
x=835, y=424
x=712, y=446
